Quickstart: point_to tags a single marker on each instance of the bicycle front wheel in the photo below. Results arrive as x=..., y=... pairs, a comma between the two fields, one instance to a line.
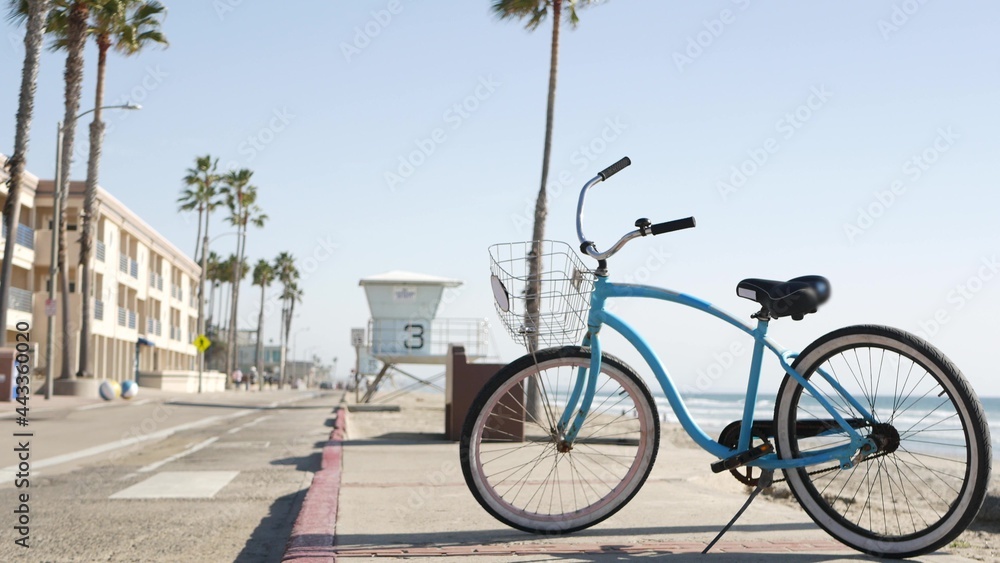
x=928, y=477
x=522, y=472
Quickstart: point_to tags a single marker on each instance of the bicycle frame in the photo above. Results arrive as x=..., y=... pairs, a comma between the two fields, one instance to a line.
x=585, y=386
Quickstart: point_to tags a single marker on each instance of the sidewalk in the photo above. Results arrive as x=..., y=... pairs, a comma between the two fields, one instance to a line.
x=39, y=404
x=402, y=495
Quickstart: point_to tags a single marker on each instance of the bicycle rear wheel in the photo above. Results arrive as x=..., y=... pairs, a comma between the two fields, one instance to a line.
x=517, y=465
x=929, y=476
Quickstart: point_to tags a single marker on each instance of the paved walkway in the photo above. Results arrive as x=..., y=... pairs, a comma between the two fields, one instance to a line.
x=398, y=492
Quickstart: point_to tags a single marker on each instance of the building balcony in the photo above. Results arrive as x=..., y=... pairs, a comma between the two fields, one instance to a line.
x=122, y=316
x=123, y=263
x=20, y=299
x=176, y=292
x=153, y=326
x=155, y=281
x=133, y=268
x=25, y=235
x=100, y=251
x=175, y=333
x=98, y=309
x=131, y=319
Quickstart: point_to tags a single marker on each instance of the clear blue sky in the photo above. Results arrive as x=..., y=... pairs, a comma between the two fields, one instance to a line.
x=892, y=88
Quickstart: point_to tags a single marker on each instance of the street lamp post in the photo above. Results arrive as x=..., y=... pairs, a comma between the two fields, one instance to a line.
x=57, y=195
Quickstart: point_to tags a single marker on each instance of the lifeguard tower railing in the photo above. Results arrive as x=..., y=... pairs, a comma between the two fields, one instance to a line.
x=423, y=341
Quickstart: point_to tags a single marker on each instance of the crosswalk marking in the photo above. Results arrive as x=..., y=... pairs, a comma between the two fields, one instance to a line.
x=178, y=484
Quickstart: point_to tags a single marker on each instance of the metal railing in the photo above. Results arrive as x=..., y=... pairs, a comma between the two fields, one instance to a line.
x=25, y=235
x=175, y=333
x=122, y=316
x=423, y=337
x=156, y=280
x=131, y=319
x=101, y=251
x=133, y=268
x=153, y=326
x=99, y=309
x=20, y=299
x=123, y=263
x=176, y=292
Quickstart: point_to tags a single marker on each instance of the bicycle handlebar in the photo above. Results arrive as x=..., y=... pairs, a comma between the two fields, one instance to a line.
x=615, y=168
x=645, y=228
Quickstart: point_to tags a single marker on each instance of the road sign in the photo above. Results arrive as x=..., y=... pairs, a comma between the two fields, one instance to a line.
x=50, y=307
x=202, y=343
x=357, y=337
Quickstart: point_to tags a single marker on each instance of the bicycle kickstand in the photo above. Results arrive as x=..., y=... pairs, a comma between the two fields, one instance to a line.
x=765, y=480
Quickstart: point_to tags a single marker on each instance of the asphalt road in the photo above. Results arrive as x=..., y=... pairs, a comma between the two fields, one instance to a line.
x=204, y=479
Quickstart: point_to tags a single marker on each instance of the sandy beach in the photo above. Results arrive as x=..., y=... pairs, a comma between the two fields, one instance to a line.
x=403, y=492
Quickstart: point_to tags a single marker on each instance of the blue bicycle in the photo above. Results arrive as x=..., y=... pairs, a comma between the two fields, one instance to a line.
x=879, y=436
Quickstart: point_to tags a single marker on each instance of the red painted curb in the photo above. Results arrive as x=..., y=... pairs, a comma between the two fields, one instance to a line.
x=316, y=525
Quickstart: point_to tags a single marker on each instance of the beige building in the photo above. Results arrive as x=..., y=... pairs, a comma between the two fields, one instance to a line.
x=22, y=278
x=144, y=291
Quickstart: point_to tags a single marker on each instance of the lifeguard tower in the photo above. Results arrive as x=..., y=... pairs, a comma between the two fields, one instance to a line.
x=404, y=328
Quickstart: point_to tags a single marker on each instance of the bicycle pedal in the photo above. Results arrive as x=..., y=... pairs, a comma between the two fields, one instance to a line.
x=742, y=458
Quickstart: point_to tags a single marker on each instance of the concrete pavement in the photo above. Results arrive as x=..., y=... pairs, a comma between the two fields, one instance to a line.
x=402, y=496
x=183, y=478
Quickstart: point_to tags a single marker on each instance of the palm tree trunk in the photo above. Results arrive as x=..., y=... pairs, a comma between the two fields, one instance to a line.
x=37, y=14
x=211, y=302
x=281, y=345
x=288, y=327
x=538, y=232
x=89, y=201
x=76, y=38
x=197, y=244
x=258, y=356
x=234, y=305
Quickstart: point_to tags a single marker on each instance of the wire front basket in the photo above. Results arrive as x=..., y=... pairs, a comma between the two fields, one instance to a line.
x=561, y=288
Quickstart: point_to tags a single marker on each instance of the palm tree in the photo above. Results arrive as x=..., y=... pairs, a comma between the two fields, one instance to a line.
x=231, y=275
x=36, y=14
x=263, y=275
x=535, y=12
x=68, y=23
x=241, y=199
x=128, y=26
x=287, y=273
x=212, y=276
x=202, y=183
x=290, y=295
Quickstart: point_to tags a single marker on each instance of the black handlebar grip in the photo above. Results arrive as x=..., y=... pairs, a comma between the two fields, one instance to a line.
x=614, y=168
x=670, y=226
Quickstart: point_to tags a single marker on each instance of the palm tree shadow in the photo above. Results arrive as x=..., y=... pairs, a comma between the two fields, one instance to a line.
x=267, y=542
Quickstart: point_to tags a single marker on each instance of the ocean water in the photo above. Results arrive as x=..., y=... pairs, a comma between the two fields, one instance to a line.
x=714, y=411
